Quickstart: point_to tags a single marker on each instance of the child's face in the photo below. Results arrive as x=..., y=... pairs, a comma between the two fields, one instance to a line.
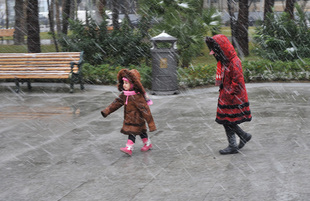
x=126, y=85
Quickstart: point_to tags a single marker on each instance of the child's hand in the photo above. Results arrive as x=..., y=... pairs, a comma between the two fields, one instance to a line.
x=103, y=114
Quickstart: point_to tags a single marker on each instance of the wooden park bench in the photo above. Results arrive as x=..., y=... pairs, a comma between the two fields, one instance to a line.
x=54, y=65
x=6, y=33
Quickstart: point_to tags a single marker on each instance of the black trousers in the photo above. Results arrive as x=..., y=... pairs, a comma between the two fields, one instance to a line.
x=133, y=137
x=234, y=128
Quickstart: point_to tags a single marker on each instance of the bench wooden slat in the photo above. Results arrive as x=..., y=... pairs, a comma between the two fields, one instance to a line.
x=35, y=66
x=33, y=63
x=40, y=59
x=35, y=73
x=40, y=55
x=38, y=68
x=37, y=76
x=53, y=65
x=42, y=69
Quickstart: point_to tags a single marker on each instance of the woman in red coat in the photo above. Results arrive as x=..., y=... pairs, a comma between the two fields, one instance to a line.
x=233, y=105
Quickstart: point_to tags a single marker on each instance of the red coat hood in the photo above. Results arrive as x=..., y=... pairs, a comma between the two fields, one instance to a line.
x=225, y=45
x=220, y=44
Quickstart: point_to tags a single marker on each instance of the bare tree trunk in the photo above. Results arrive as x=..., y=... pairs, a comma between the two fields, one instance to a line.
x=52, y=22
x=289, y=8
x=7, y=14
x=232, y=22
x=242, y=28
x=65, y=16
x=58, y=21
x=24, y=19
x=115, y=10
x=86, y=15
x=101, y=7
x=269, y=4
x=33, y=39
x=125, y=8
x=73, y=9
x=19, y=28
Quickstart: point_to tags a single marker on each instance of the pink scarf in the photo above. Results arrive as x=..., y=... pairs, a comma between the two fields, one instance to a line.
x=129, y=93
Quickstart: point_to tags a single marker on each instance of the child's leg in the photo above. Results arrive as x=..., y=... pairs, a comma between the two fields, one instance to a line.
x=143, y=136
x=129, y=146
x=132, y=138
x=146, y=141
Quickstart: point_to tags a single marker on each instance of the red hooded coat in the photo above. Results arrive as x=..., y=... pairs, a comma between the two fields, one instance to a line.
x=233, y=105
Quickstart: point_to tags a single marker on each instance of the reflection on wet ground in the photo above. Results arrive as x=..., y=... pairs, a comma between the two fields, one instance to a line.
x=56, y=146
x=22, y=112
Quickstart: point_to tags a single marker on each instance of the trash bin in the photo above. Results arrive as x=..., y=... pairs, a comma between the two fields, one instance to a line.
x=164, y=65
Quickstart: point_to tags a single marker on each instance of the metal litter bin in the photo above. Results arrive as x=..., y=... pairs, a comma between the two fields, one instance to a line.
x=164, y=65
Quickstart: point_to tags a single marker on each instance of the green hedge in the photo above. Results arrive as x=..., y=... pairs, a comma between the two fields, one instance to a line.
x=266, y=70
x=193, y=76
x=107, y=74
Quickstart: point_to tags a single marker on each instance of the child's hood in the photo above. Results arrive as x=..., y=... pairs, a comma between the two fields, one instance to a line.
x=133, y=76
x=221, y=45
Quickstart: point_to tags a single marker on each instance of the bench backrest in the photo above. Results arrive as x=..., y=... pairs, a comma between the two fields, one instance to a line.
x=38, y=65
x=6, y=32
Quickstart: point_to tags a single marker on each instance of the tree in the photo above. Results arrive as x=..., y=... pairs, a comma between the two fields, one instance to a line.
x=284, y=38
x=19, y=28
x=289, y=8
x=58, y=21
x=269, y=4
x=7, y=14
x=73, y=9
x=101, y=7
x=124, y=8
x=52, y=22
x=115, y=12
x=232, y=21
x=33, y=28
x=185, y=21
x=242, y=28
x=65, y=16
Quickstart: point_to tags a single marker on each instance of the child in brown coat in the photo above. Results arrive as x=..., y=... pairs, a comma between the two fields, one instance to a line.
x=136, y=109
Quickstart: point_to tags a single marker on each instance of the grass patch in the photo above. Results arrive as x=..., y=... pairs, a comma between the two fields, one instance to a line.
x=24, y=48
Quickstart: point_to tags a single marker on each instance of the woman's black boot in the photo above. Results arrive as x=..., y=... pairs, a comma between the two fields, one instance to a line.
x=244, y=137
x=232, y=145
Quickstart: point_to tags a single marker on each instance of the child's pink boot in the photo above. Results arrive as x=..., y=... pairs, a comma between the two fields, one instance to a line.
x=147, y=144
x=129, y=147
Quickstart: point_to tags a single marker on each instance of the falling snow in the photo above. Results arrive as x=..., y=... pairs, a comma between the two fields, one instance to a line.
x=56, y=146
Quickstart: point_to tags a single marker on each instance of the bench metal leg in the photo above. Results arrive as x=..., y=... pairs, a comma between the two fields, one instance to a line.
x=17, y=86
x=29, y=85
x=78, y=79
x=81, y=82
x=71, y=85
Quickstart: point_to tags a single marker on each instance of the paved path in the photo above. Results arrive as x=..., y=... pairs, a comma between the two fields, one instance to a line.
x=56, y=146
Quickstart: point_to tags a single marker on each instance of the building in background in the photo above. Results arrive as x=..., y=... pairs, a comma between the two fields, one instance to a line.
x=255, y=11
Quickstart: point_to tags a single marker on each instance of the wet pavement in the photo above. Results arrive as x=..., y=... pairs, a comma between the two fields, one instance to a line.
x=56, y=146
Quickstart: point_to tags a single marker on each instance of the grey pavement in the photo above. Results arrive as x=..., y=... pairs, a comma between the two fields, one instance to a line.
x=55, y=146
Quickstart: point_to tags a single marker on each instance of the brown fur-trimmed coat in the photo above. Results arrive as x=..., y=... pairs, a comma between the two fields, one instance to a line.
x=136, y=112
